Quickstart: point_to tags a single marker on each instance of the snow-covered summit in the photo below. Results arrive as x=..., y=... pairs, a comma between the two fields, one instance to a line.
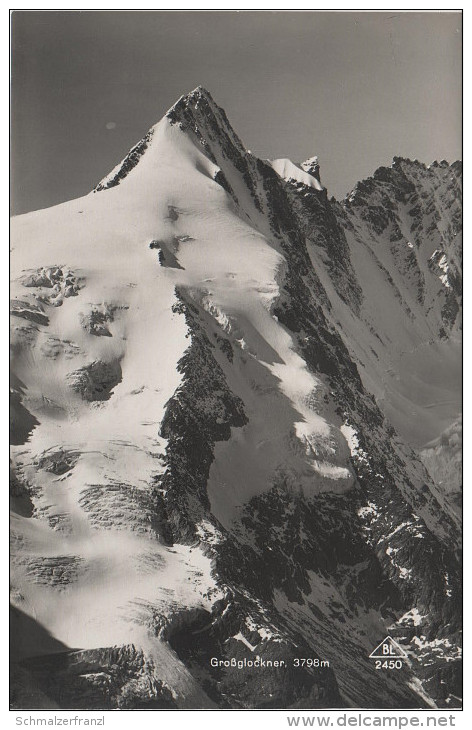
x=194, y=127
x=192, y=98
x=312, y=166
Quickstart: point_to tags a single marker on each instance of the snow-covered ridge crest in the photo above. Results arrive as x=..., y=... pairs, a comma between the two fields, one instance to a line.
x=201, y=119
x=127, y=164
x=291, y=172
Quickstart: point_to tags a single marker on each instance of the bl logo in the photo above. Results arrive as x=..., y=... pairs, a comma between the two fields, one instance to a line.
x=387, y=649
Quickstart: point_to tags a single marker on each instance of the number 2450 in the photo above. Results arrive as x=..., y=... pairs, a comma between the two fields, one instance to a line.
x=389, y=664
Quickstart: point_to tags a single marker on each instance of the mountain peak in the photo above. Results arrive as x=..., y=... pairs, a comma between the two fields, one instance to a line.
x=198, y=115
x=191, y=98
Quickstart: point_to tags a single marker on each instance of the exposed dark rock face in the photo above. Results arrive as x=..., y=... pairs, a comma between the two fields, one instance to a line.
x=247, y=644
x=97, y=320
x=437, y=682
x=206, y=123
x=166, y=256
x=317, y=220
x=130, y=161
x=58, y=462
x=200, y=413
x=95, y=323
x=29, y=311
x=108, y=679
x=55, y=283
x=420, y=208
x=269, y=680
x=96, y=381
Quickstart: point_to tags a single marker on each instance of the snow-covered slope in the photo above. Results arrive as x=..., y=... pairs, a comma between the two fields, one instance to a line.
x=201, y=460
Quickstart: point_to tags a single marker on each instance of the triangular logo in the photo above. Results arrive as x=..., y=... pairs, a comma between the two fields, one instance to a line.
x=388, y=648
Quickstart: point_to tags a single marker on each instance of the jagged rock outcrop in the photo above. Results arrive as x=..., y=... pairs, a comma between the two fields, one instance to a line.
x=62, y=282
x=94, y=382
x=115, y=678
x=29, y=311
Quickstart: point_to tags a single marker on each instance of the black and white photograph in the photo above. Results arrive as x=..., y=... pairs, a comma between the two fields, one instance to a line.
x=236, y=360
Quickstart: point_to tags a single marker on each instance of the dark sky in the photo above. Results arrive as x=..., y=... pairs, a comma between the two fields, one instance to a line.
x=353, y=88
